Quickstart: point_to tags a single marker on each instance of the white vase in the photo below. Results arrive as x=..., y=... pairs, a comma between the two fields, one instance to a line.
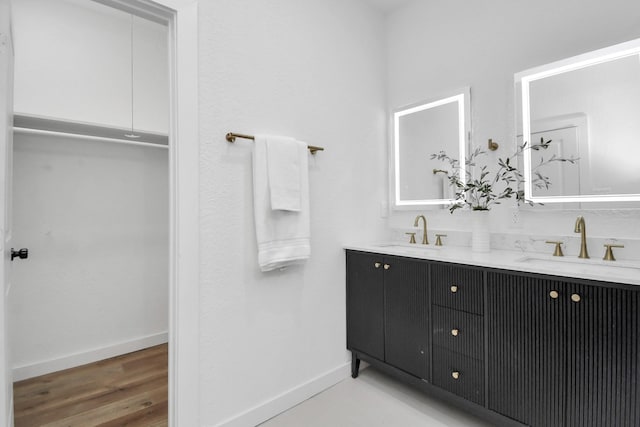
x=480, y=234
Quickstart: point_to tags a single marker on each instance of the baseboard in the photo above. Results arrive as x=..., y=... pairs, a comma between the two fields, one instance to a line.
x=288, y=399
x=89, y=356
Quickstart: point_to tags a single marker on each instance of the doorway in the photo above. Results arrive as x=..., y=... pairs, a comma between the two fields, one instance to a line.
x=181, y=16
x=91, y=198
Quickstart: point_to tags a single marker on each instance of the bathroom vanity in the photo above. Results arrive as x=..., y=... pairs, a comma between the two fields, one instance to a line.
x=515, y=340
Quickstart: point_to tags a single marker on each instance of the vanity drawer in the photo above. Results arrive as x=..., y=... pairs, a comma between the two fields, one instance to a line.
x=458, y=374
x=458, y=331
x=458, y=287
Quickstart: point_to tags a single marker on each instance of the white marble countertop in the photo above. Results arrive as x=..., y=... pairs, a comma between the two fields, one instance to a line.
x=626, y=272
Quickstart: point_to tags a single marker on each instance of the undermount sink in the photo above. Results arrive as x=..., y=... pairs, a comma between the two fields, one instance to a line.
x=584, y=265
x=414, y=248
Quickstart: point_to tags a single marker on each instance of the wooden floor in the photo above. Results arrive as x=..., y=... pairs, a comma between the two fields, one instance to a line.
x=128, y=390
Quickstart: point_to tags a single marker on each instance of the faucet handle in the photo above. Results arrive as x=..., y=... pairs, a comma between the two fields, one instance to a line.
x=608, y=255
x=413, y=237
x=558, y=249
x=439, y=240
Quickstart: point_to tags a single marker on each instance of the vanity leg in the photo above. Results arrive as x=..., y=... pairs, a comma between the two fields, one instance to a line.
x=355, y=365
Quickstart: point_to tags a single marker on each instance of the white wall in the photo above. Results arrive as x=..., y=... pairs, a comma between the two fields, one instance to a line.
x=440, y=45
x=79, y=64
x=95, y=219
x=313, y=70
x=94, y=215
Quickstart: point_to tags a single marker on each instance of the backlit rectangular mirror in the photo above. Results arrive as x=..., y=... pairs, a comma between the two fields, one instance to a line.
x=419, y=131
x=589, y=107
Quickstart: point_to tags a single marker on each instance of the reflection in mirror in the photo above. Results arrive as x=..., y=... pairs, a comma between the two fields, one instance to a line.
x=567, y=134
x=589, y=106
x=419, y=131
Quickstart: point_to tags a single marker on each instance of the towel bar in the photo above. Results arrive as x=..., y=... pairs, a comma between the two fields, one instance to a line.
x=231, y=137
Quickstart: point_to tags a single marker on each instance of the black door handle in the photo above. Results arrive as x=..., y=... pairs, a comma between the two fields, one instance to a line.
x=22, y=253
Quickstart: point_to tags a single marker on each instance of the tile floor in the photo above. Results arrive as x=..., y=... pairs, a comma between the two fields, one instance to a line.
x=373, y=400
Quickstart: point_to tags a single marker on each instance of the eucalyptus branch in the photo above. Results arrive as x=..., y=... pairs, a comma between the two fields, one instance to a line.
x=479, y=193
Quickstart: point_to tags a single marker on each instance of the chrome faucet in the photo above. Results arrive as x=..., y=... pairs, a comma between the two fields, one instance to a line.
x=425, y=241
x=582, y=229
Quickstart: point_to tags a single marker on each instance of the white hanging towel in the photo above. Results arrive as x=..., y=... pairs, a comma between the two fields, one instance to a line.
x=283, y=166
x=283, y=235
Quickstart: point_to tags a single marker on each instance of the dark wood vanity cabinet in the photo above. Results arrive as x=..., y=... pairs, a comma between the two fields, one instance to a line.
x=515, y=348
x=388, y=311
x=563, y=353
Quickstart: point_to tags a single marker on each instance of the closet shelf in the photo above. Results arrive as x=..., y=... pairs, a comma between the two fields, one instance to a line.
x=46, y=125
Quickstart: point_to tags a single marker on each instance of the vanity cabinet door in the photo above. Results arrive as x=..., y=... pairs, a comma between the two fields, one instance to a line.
x=526, y=332
x=365, y=303
x=406, y=302
x=603, y=356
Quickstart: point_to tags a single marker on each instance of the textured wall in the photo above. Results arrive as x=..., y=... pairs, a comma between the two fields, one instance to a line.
x=442, y=45
x=313, y=70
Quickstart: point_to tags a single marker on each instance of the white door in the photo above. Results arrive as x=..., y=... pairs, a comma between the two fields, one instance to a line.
x=6, y=150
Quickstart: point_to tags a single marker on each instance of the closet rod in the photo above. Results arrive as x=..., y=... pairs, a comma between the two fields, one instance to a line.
x=28, y=131
x=231, y=137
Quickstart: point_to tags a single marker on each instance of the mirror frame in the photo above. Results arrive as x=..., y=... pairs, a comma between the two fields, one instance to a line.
x=462, y=97
x=595, y=57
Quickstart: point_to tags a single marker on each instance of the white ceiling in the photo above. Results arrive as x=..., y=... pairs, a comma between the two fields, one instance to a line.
x=387, y=5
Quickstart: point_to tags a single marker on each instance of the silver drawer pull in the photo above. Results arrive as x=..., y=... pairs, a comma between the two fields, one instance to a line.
x=455, y=332
x=455, y=375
